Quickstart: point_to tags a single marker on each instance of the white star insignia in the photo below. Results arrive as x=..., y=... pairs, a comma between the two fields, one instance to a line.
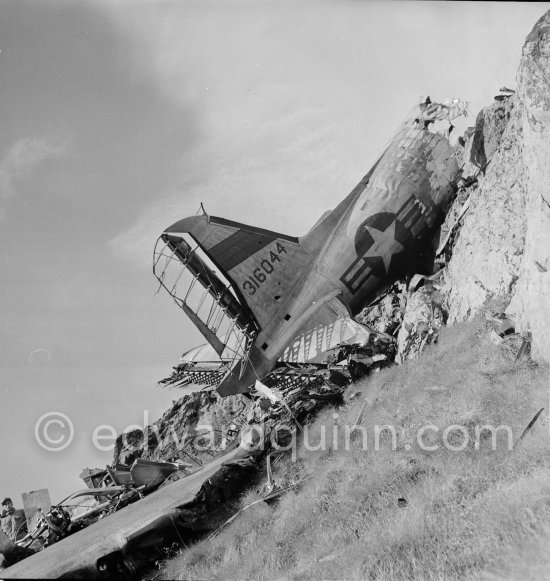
x=385, y=245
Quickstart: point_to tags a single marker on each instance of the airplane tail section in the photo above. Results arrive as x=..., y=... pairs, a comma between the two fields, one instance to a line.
x=259, y=267
x=229, y=278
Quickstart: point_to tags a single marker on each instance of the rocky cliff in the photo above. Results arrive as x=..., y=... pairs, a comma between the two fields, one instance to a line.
x=531, y=303
x=502, y=250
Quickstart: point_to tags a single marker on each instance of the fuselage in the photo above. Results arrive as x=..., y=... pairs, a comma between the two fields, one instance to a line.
x=357, y=249
x=291, y=286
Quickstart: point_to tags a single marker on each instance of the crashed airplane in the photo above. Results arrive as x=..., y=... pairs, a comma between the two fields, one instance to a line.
x=261, y=298
x=122, y=543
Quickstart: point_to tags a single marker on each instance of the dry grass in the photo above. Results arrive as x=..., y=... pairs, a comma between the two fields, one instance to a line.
x=468, y=514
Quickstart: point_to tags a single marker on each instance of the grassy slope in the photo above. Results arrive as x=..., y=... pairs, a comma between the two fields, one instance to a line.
x=467, y=512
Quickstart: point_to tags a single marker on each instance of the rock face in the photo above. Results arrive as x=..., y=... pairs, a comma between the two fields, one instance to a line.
x=502, y=250
x=531, y=304
x=490, y=125
x=488, y=249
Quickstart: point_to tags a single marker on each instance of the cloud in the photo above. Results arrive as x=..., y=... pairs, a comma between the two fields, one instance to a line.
x=292, y=101
x=22, y=160
x=271, y=129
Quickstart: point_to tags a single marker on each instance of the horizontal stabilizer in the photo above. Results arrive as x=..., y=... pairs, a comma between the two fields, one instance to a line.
x=262, y=266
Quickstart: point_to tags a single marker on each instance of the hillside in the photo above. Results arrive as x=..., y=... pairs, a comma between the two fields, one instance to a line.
x=410, y=512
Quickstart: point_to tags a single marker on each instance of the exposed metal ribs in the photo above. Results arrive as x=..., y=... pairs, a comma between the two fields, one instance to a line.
x=190, y=278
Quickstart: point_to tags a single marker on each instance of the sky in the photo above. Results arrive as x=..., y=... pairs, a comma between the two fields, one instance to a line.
x=120, y=118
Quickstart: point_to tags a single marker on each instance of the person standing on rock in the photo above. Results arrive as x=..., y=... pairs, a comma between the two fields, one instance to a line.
x=13, y=521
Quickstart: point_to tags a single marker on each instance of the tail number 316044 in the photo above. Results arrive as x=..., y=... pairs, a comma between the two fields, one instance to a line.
x=260, y=274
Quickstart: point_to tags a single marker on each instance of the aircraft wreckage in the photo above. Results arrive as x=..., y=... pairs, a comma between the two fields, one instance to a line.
x=266, y=301
x=271, y=307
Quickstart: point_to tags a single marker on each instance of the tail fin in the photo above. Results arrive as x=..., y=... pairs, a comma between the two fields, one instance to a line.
x=262, y=266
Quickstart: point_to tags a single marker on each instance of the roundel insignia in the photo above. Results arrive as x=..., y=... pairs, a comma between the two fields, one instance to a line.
x=382, y=242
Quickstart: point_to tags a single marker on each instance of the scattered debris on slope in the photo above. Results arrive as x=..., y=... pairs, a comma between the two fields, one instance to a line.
x=386, y=314
x=411, y=509
x=424, y=316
